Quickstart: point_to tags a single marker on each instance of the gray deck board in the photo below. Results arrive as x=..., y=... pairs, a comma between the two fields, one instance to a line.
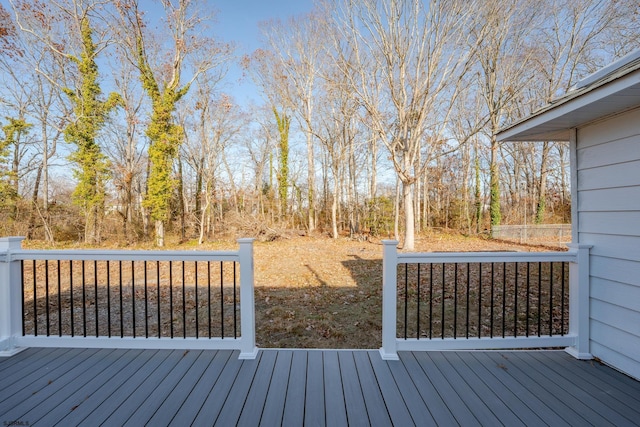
x=75, y=399
x=27, y=357
x=36, y=381
x=620, y=387
x=76, y=389
x=378, y=413
x=487, y=397
x=273, y=410
x=166, y=373
x=520, y=400
x=256, y=398
x=123, y=392
x=539, y=390
x=230, y=413
x=314, y=414
x=182, y=391
x=217, y=396
x=467, y=394
x=393, y=400
x=611, y=398
x=443, y=387
x=44, y=397
x=353, y=398
x=200, y=392
x=293, y=414
x=436, y=405
x=412, y=397
x=584, y=402
x=299, y=387
x=333, y=394
x=116, y=377
x=159, y=392
x=19, y=377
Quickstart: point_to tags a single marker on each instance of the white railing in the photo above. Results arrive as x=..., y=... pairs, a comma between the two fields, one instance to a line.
x=104, y=265
x=448, y=268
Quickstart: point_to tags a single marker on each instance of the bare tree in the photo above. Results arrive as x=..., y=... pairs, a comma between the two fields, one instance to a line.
x=218, y=120
x=269, y=73
x=124, y=143
x=405, y=60
x=570, y=45
x=504, y=60
x=258, y=146
x=39, y=74
x=298, y=44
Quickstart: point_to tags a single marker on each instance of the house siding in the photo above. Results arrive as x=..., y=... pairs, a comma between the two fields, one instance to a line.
x=608, y=214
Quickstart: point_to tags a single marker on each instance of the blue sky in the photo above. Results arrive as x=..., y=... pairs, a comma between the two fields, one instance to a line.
x=237, y=21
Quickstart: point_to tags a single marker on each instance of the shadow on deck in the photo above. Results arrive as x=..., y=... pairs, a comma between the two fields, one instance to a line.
x=49, y=386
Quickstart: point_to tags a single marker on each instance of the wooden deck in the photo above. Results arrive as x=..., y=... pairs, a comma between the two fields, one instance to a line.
x=316, y=387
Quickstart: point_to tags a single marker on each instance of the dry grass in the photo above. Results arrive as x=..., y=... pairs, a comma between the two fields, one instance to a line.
x=315, y=292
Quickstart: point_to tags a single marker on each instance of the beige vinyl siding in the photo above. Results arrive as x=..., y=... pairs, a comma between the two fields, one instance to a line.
x=608, y=213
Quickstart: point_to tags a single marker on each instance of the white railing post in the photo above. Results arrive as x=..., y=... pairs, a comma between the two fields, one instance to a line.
x=247, y=305
x=579, y=302
x=389, y=350
x=10, y=295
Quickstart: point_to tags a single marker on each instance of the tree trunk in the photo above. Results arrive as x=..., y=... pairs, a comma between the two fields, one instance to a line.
x=542, y=183
x=426, y=213
x=159, y=233
x=199, y=180
x=374, y=161
x=466, y=171
x=311, y=182
x=478, y=193
x=409, y=224
x=34, y=204
x=203, y=218
x=494, y=184
x=396, y=219
x=181, y=198
x=145, y=211
x=334, y=209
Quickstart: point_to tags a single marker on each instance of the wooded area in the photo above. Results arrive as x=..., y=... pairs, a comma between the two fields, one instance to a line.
x=378, y=117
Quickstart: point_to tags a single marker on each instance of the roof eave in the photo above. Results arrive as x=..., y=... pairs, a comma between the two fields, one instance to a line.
x=609, y=96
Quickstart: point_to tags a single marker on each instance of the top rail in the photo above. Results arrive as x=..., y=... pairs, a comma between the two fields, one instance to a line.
x=486, y=257
x=115, y=255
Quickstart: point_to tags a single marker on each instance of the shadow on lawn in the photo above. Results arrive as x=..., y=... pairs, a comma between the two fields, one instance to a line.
x=324, y=316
